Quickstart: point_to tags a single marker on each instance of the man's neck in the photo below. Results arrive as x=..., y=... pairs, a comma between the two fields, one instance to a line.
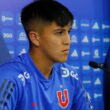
x=44, y=66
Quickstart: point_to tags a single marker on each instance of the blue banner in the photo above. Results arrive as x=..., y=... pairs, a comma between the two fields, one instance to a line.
x=4, y=54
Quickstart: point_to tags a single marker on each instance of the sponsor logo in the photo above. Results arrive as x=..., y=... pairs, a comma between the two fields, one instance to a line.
x=74, y=53
x=97, y=82
x=67, y=73
x=74, y=39
x=24, y=77
x=95, y=26
x=97, y=95
x=83, y=53
x=96, y=53
x=86, y=67
x=75, y=24
x=7, y=18
x=8, y=35
x=105, y=26
x=95, y=39
x=85, y=39
x=63, y=103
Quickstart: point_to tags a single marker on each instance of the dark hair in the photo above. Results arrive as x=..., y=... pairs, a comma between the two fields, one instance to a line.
x=46, y=11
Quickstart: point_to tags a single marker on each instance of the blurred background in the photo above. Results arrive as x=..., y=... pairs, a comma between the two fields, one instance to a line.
x=90, y=40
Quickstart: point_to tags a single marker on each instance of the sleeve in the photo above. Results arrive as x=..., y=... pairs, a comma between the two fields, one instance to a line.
x=8, y=91
x=81, y=100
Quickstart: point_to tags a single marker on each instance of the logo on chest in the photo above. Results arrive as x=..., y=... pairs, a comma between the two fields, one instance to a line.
x=24, y=76
x=63, y=98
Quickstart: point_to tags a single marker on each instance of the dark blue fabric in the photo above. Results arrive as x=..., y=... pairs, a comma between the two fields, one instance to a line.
x=107, y=82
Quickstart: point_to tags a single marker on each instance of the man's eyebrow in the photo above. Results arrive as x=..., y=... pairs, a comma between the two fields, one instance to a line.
x=60, y=29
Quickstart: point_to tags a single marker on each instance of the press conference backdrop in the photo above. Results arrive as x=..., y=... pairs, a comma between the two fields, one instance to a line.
x=4, y=54
x=89, y=39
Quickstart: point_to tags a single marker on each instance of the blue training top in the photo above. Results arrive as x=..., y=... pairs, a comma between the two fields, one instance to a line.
x=24, y=87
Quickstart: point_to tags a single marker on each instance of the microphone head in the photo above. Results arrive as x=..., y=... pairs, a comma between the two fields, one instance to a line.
x=101, y=66
x=94, y=64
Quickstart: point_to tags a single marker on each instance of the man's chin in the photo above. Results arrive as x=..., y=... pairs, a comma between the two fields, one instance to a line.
x=63, y=60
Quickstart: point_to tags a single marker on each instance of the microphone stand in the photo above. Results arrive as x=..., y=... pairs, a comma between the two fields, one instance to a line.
x=106, y=70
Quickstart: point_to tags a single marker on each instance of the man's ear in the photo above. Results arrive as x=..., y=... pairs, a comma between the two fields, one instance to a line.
x=34, y=38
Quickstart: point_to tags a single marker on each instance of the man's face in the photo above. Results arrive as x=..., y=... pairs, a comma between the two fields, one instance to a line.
x=54, y=42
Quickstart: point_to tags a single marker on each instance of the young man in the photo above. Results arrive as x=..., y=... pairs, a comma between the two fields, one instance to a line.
x=39, y=80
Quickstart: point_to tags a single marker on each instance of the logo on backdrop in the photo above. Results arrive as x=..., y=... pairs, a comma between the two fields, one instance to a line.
x=8, y=35
x=7, y=18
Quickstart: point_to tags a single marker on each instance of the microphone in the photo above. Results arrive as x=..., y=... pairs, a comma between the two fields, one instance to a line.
x=95, y=65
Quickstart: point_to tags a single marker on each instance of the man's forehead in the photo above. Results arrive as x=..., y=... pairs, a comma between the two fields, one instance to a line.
x=53, y=26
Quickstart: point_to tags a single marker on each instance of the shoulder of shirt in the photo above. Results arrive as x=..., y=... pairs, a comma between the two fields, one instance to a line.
x=12, y=67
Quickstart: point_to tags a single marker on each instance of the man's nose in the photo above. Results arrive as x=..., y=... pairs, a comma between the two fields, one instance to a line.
x=66, y=39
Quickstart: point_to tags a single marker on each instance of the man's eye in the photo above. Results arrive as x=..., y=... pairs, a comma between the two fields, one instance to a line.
x=69, y=31
x=61, y=32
